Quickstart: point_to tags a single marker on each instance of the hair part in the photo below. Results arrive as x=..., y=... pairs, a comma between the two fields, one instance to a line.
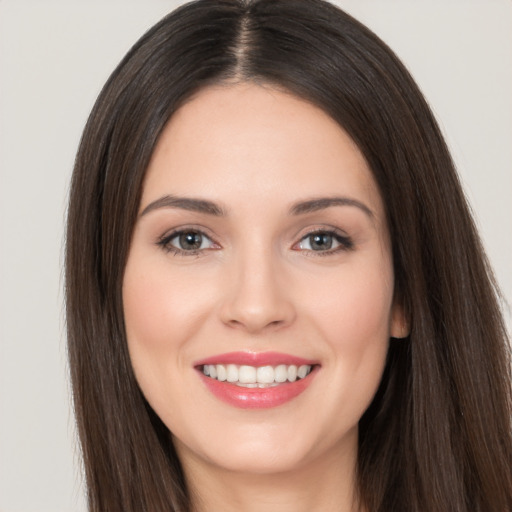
x=437, y=435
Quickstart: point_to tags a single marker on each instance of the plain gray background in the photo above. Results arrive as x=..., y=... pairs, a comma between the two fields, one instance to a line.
x=54, y=58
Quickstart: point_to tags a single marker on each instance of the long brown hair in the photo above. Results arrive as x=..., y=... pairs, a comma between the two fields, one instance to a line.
x=437, y=436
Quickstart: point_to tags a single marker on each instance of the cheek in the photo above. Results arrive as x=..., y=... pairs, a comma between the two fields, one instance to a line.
x=163, y=313
x=356, y=310
x=155, y=327
x=354, y=320
x=161, y=310
x=145, y=318
x=144, y=310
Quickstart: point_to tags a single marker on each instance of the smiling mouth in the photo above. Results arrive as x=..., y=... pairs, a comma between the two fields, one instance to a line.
x=252, y=380
x=256, y=376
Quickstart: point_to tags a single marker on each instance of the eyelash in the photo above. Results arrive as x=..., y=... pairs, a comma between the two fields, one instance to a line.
x=345, y=242
x=165, y=242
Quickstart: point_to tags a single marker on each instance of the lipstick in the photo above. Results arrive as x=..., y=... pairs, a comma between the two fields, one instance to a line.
x=250, y=380
x=255, y=359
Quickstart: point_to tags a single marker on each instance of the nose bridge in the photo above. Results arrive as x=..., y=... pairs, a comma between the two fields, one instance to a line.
x=255, y=297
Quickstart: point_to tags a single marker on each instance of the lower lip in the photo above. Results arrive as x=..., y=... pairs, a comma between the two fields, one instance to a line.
x=257, y=398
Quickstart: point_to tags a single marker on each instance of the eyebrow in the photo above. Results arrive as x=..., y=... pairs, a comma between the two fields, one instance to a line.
x=316, y=204
x=185, y=203
x=211, y=208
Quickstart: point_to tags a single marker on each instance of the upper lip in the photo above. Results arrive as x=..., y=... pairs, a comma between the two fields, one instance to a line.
x=255, y=359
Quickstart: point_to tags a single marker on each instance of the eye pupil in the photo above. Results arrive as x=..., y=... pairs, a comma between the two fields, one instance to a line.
x=190, y=240
x=320, y=241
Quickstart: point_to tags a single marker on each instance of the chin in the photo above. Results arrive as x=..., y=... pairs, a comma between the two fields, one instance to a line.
x=262, y=450
x=256, y=459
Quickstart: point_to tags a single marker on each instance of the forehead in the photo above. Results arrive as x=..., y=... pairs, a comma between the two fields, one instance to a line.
x=249, y=143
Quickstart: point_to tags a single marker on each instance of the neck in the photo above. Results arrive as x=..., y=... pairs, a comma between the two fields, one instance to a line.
x=327, y=485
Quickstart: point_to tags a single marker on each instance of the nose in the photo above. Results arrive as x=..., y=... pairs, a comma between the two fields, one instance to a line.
x=256, y=297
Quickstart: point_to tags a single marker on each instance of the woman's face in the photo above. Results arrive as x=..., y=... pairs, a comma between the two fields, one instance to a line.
x=260, y=257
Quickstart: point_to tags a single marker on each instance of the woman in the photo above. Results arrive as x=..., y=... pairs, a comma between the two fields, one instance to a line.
x=276, y=295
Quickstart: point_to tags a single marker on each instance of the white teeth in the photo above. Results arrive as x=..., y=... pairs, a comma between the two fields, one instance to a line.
x=232, y=373
x=221, y=372
x=303, y=371
x=281, y=373
x=265, y=375
x=251, y=376
x=247, y=375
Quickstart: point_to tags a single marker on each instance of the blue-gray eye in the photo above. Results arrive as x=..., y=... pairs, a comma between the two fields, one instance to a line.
x=189, y=240
x=325, y=241
x=186, y=241
x=320, y=241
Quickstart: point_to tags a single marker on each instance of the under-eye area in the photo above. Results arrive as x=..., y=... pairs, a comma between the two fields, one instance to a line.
x=257, y=377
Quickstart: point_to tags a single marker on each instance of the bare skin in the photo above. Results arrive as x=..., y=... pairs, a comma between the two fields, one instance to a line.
x=310, y=488
x=268, y=271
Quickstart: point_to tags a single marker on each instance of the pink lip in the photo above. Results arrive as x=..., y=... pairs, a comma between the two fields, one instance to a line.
x=255, y=359
x=256, y=398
